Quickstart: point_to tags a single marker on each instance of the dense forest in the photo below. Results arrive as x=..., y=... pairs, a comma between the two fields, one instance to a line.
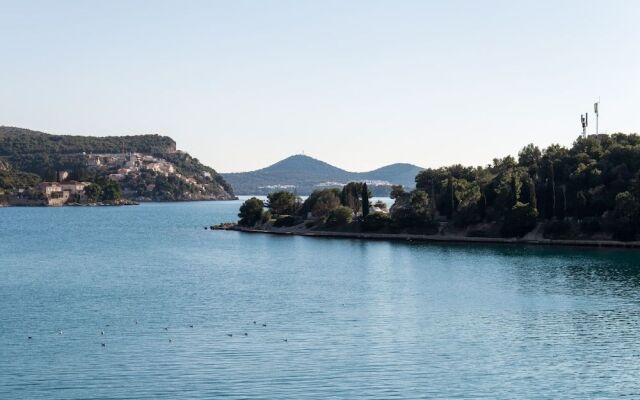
x=24, y=141
x=590, y=190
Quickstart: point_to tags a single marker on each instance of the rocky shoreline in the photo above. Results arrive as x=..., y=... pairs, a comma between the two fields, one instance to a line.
x=100, y=204
x=437, y=238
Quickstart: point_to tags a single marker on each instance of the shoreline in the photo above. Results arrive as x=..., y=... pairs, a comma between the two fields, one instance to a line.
x=127, y=203
x=434, y=238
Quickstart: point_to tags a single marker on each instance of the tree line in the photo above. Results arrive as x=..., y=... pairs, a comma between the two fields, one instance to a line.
x=590, y=189
x=333, y=207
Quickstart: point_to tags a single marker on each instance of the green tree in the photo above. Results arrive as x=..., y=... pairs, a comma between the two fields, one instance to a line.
x=350, y=196
x=251, y=212
x=339, y=216
x=376, y=221
x=93, y=192
x=519, y=220
x=365, y=200
x=626, y=214
x=397, y=191
x=321, y=202
x=111, y=191
x=411, y=209
x=529, y=157
x=283, y=203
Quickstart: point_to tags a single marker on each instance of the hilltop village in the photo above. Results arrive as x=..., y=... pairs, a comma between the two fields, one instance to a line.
x=121, y=178
x=53, y=170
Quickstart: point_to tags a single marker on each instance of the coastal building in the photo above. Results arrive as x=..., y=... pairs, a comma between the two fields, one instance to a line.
x=116, y=177
x=53, y=193
x=94, y=161
x=49, y=188
x=132, y=161
x=74, y=187
x=162, y=167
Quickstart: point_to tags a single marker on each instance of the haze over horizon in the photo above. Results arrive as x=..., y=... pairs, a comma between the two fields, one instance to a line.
x=358, y=84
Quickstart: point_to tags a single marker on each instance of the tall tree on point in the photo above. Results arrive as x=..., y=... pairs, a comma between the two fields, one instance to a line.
x=365, y=200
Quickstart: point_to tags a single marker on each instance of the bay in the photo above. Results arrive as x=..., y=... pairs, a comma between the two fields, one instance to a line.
x=360, y=319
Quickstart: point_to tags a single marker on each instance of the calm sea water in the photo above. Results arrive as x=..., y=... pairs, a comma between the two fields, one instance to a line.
x=361, y=319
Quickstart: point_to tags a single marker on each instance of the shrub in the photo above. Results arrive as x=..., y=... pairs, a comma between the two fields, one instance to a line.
x=466, y=216
x=478, y=233
x=557, y=229
x=590, y=225
x=520, y=220
x=376, y=221
x=624, y=231
x=340, y=216
x=626, y=217
x=287, y=220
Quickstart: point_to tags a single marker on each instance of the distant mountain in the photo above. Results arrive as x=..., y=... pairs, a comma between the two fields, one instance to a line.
x=146, y=166
x=303, y=174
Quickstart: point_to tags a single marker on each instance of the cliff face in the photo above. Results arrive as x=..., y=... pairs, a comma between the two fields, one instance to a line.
x=148, y=167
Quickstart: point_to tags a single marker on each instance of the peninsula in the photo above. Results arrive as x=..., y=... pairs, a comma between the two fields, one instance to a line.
x=37, y=168
x=588, y=194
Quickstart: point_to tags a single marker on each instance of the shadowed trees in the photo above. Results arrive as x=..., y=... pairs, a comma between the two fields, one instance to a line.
x=251, y=212
x=595, y=179
x=283, y=203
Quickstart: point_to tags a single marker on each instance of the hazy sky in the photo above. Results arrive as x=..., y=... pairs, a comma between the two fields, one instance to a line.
x=359, y=84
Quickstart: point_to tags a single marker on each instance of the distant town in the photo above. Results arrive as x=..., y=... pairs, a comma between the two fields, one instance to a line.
x=64, y=191
x=54, y=170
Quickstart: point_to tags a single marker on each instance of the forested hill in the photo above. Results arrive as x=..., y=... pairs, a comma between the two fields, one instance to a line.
x=590, y=189
x=14, y=141
x=304, y=174
x=165, y=174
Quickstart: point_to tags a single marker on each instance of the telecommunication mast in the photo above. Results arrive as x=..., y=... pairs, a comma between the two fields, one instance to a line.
x=584, y=119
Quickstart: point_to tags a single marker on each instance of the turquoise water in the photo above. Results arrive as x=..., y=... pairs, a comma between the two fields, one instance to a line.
x=361, y=319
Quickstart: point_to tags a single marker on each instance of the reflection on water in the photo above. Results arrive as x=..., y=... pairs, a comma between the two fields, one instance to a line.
x=360, y=319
